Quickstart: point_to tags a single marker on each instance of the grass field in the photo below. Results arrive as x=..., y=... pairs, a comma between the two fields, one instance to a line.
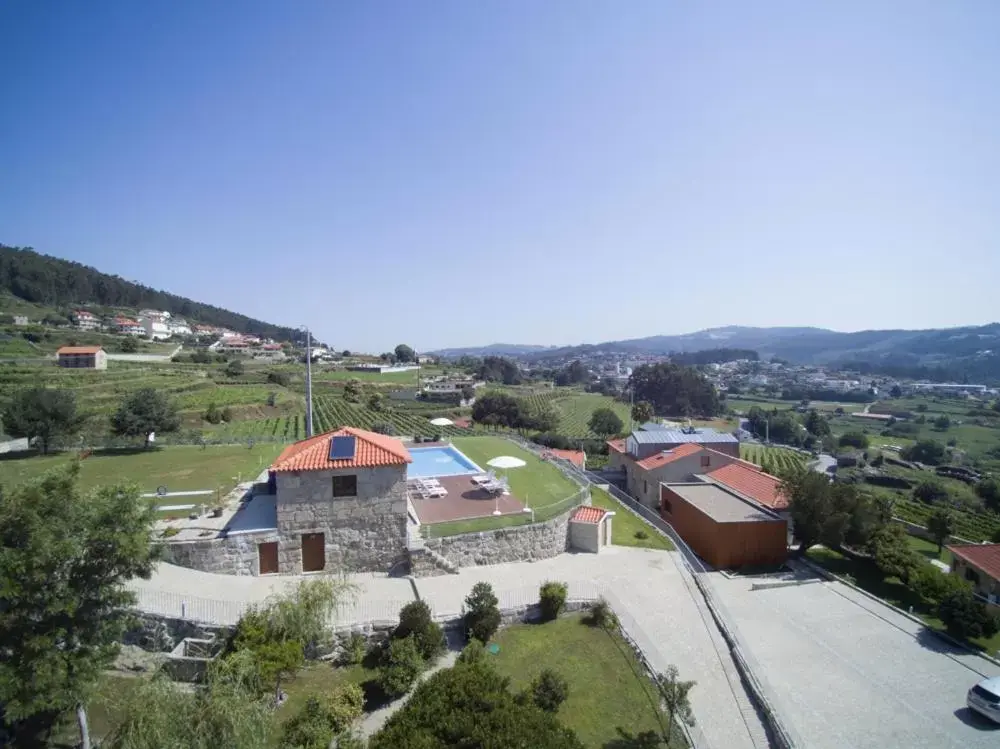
x=625, y=524
x=890, y=589
x=777, y=458
x=179, y=468
x=538, y=484
x=608, y=690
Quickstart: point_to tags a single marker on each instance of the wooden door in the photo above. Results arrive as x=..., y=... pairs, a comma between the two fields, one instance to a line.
x=267, y=558
x=313, y=552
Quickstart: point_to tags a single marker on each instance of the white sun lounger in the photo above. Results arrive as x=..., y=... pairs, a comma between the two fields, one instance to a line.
x=484, y=478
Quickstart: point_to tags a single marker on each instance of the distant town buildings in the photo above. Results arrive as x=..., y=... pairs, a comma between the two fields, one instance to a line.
x=86, y=320
x=128, y=326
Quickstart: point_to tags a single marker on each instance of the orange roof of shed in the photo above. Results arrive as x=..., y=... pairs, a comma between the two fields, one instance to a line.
x=79, y=350
x=984, y=556
x=371, y=451
x=587, y=514
x=669, y=456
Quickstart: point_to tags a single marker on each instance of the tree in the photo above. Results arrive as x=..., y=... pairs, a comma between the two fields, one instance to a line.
x=549, y=690
x=144, y=412
x=227, y=712
x=129, y=345
x=642, y=411
x=676, y=699
x=404, y=353
x=277, y=377
x=212, y=414
x=829, y=513
x=497, y=409
x=346, y=352
x=42, y=414
x=890, y=548
x=966, y=617
x=65, y=558
x=853, y=439
x=930, y=492
x=675, y=390
x=604, y=422
x=376, y=401
x=482, y=613
x=552, y=599
x=352, y=390
x=895, y=392
x=234, y=368
x=941, y=423
x=320, y=720
x=989, y=491
x=415, y=621
x=573, y=374
x=403, y=664
x=468, y=392
x=450, y=709
x=499, y=369
x=816, y=424
x=925, y=451
x=941, y=525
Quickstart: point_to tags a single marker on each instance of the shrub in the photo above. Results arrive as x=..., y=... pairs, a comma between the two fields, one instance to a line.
x=315, y=725
x=355, y=650
x=227, y=414
x=549, y=690
x=384, y=427
x=482, y=615
x=930, y=492
x=345, y=705
x=601, y=614
x=932, y=584
x=234, y=368
x=474, y=652
x=641, y=534
x=169, y=532
x=403, y=664
x=212, y=415
x=552, y=599
x=415, y=621
x=279, y=378
x=854, y=439
x=964, y=616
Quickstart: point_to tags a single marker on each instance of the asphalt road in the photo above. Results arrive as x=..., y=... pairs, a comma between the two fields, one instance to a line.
x=846, y=671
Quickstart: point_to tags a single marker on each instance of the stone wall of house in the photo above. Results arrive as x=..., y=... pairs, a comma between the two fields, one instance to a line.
x=362, y=533
x=232, y=555
x=523, y=543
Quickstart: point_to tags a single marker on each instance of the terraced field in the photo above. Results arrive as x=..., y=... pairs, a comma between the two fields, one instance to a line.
x=575, y=409
x=330, y=412
x=776, y=458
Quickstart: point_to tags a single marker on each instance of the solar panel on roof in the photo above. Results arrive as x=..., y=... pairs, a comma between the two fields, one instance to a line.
x=342, y=448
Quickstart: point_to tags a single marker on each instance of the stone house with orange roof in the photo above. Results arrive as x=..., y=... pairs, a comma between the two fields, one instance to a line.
x=340, y=501
x=979, y=565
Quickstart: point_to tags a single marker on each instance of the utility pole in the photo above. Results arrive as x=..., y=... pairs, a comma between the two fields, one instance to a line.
x=309, y=385
x=631, y=405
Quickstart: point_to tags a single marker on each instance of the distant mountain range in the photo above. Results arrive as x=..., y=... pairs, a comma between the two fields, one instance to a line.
x=966, y=352
x=494, y=349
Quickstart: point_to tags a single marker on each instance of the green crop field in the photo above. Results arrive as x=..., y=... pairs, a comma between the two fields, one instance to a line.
x=179, y=468
x=331, y=412
x=777, y=458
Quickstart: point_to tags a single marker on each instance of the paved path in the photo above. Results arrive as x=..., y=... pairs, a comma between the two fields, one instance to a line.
x=373, y=721
x=847, y=671
x=646, y=588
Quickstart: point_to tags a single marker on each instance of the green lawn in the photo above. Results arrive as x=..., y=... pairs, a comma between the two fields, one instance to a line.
x=608, y=689
x=179, y=468
x=538, y=484
x=889, y=589
x=625, y=524
x=929, y=549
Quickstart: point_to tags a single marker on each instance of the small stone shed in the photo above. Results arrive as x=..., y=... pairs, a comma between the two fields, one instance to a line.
x=590, y=529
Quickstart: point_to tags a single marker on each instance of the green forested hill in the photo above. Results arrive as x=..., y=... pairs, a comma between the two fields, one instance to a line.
x=57, y=283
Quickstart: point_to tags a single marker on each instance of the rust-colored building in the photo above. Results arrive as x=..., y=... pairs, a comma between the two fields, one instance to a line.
x=722, y=527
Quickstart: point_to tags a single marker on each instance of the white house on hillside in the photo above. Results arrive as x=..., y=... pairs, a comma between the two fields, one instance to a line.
x=154, y=327
x=86, y=320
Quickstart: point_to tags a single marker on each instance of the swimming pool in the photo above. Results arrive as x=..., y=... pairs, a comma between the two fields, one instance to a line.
x=431, y=462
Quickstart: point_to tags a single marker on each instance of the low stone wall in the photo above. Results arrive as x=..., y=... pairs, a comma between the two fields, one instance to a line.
x=920, y=532
x=523, y=543
x=232, y=555
x=161, y=634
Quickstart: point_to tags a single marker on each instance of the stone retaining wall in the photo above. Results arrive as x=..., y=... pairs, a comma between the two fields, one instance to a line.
x=232, y=555
x=523, y=543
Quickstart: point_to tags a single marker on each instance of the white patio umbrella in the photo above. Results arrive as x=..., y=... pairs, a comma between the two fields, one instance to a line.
x=441, y=421
x=505, y=462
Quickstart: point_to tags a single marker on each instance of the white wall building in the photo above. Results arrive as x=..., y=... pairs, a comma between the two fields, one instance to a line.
x=155, y=328
x=179, y=326
x=85, y=320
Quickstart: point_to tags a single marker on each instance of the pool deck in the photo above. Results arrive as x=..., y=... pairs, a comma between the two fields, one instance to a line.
x=464, y=501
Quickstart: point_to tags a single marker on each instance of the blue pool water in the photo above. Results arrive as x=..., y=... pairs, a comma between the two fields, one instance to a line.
x=431, y=462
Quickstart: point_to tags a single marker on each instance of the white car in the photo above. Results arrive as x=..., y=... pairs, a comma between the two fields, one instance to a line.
x=984, y=698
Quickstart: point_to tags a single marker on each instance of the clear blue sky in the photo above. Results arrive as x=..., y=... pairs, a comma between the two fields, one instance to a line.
x=453, y=173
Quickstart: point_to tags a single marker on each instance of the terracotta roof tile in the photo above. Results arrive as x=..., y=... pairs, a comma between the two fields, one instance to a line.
x=617, y=445
x=371, y=450
x=79, y=350
x=669, y=456
x=983, y=556
x=588, y=514
x=576, y=457
x=751, y=482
